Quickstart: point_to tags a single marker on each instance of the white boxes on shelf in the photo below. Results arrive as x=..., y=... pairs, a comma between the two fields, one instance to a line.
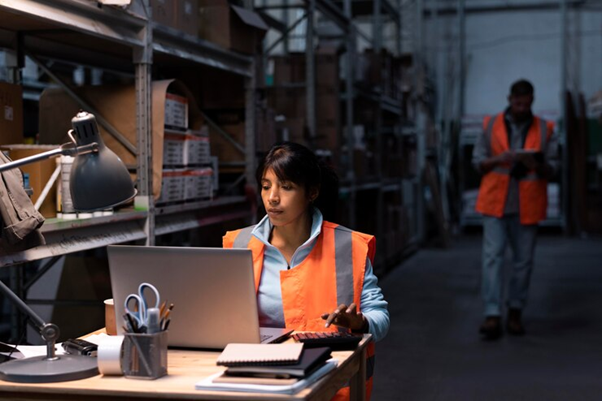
x=176, y=111
x=173, y=186
x=197, y=148
x=199, y=183
x=174, y=148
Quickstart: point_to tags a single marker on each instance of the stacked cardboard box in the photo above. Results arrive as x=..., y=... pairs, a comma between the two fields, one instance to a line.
x=39, y=173
x=186, y=156
x=230, y=26
x=181, y=14
x=291, y=102
x=11, y=113
x=117, y=104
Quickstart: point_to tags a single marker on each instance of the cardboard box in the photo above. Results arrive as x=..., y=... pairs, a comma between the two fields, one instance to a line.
x=187, y=16
x=11, y=113
x=197, y=150
x=292, y=103
x=266, y=129
x=174, y=145
x=291, y=130
x=292, y=68
x=232, y=27
x=164, y=12
x=117, y=104
x=176, y=111
x=173, y=186
x=222, y=148
x=199, y=183
x=39, y=174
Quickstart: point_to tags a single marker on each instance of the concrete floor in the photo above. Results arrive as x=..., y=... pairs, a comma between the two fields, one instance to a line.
x=433, y=350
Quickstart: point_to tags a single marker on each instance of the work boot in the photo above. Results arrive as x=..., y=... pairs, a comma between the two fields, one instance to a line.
x=514, y=324
x=491, y=329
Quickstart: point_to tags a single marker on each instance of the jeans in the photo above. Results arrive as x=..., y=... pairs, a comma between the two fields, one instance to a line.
x=496, y=234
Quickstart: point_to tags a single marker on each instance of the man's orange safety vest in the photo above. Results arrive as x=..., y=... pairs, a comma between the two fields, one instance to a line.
x=332, y=274
x=532, y=190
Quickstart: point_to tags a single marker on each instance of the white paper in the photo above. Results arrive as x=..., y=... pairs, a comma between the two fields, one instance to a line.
x=98, y=338
x=116, y=2
x=208, y=385
x=25, y=351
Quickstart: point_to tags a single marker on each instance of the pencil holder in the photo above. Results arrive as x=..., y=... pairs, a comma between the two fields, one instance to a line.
x=145, y=355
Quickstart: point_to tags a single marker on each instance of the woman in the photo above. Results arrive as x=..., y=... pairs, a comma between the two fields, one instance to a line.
x=310, y=273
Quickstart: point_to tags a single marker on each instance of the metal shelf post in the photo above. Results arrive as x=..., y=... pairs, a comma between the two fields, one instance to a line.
x=143, y=59
x=310, y=70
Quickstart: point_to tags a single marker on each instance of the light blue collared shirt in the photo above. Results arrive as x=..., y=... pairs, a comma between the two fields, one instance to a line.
x=269, y=298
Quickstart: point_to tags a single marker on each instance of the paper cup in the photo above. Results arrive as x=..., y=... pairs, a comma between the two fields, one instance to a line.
x=110, y=323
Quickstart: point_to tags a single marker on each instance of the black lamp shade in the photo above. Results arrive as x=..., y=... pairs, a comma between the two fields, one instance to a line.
x=98, y=180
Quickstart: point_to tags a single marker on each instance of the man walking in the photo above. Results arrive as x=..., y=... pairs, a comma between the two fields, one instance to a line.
x=516, y=155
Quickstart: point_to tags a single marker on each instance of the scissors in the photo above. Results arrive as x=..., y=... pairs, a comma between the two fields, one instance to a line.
x=140, y=304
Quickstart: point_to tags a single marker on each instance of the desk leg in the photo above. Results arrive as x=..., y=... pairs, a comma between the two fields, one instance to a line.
x=357, y=384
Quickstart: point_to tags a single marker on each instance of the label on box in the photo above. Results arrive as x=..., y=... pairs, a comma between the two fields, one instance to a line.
x=174, y=145
x=197, y=149
x=8, y=113
x=173, y=185
x=199, y=183
x=176, y=111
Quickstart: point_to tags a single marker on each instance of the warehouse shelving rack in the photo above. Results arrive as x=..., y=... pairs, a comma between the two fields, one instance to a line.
x=124, y=40
x=409, y=189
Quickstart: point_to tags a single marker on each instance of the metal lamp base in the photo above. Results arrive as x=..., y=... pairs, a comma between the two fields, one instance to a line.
x=40, y=370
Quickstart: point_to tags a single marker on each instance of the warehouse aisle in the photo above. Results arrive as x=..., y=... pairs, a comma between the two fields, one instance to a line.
x=433, y=351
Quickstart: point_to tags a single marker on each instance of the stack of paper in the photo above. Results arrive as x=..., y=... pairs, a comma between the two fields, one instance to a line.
x=208, y=384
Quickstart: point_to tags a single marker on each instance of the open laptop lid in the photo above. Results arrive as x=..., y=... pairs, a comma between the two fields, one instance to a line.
x=212, y=290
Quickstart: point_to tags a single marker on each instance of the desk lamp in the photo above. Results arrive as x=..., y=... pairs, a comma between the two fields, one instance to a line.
x=98, y=180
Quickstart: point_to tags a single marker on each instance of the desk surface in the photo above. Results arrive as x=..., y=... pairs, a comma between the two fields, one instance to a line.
x=185, y=369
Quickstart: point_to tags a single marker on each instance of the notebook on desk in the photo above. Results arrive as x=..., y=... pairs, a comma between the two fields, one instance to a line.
x=309, y=360
x=244, y=354
x=212, y=289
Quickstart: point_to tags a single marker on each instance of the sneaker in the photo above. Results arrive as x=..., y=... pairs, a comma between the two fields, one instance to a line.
x=514, y=323
x=491, y=329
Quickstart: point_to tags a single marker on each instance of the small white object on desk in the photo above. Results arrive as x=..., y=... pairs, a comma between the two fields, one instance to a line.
x=109, y=354
x=208, y=385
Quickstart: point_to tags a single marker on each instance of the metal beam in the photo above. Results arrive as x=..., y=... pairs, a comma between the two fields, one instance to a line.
x=447, y=9
x=81, y=16
x=82, y=102
x=285, y=34
x=328, y=8
x=272, y=22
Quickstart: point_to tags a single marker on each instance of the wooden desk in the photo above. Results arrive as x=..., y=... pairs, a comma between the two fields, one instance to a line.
x=185, y=368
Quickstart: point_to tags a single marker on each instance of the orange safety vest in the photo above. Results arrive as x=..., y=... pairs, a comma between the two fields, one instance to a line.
x=532, y=190
x=336, y=262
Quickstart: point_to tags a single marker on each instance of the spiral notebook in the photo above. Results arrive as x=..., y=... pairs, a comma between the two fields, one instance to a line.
x=242, y=354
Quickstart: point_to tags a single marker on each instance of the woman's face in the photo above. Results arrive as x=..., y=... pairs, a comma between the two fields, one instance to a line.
x=284, y=201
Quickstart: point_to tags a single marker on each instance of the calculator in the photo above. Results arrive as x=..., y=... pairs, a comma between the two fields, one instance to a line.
x=334, y=340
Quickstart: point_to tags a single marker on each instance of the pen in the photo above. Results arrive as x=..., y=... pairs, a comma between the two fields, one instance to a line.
x=162, y=309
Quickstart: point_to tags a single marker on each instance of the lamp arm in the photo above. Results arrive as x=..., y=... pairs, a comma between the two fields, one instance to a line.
x=49, y=331
x=66, y=149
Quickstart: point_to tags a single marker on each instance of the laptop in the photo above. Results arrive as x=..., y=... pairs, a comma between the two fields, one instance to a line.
x=212, y=289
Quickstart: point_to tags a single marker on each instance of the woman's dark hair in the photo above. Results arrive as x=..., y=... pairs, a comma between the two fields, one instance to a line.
x=294, y=162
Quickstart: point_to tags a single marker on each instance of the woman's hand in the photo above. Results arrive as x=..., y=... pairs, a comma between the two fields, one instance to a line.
x=348, y=317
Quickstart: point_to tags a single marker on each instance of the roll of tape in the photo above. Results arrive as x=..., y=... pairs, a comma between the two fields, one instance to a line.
x=109, y=356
